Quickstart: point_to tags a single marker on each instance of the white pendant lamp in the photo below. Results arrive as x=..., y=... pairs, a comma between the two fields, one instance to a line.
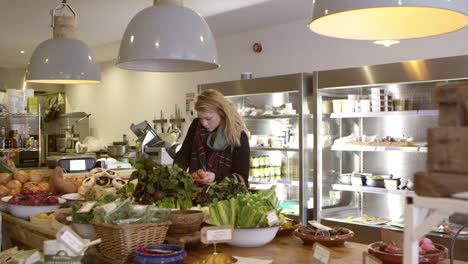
x=387, y=19
x=168, y=37
x=63, y=59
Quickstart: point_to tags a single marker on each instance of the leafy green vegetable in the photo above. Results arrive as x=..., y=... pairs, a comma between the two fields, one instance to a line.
x=158, y=182
x=87, y=217
x=127, y=189
x=166, y=202
x=224, y=190
x=245, y=210
x=4, y=167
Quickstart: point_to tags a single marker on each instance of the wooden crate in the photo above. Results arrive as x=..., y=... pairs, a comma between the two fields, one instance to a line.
x=26, y=233
x=448, y=150
x=438, y=184
x=451, y=93
x=452, y=100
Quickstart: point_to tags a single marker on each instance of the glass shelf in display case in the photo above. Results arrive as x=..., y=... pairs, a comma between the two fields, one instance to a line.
x=353, y=139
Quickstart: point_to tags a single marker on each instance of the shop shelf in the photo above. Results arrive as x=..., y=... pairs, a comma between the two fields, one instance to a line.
x=257, y=180
x=384, y=114
x=367, y=189
x=272, y=149
x=271, y=117
x=390, y=227
x=8, y=115
x=19, y=149
x=378, y=148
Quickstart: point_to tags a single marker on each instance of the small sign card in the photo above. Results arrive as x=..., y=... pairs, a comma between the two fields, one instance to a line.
x=86, y=207
x=369, y=259
x=272, y=218
x=216, y=234
x=320, y=254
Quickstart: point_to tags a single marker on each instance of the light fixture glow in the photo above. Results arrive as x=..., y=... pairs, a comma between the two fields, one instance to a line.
x=385, y=19
x=22, y=52
x=188, y=42
x=387, y=43
x=63, y=59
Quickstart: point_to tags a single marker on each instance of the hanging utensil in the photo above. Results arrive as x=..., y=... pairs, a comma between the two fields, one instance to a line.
x=162, y=122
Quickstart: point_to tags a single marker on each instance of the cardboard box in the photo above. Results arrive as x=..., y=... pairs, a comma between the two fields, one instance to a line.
x=33, y=106
x=448, y=150
x=437, y=184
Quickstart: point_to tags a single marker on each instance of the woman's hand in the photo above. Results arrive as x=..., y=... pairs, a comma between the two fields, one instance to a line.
x=209, y=177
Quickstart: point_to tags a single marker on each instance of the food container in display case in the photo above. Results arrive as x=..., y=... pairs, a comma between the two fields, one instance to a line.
x=392, y=139
x=274, y=109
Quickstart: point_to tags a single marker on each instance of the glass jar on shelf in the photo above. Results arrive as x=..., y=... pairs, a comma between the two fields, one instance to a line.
x=266, y=171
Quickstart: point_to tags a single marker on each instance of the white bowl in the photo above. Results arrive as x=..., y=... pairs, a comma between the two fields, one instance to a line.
x=24, y=211
x=73, y=197
x=253, y=237
x=85, y=230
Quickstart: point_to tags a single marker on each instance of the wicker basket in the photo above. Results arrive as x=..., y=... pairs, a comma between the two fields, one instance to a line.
x=120, y=241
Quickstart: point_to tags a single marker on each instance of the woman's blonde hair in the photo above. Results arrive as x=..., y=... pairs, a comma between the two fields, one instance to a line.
x=213, y=101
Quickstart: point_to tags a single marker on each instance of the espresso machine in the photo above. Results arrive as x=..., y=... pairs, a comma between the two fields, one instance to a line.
x=150, y=144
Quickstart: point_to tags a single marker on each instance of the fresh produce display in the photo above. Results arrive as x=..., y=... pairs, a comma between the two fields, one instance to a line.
x=39, y=197
x=21, y=180
x=312, y=230
x=288, y=223
x=224, y=190
x=215, y=258
x=123, y=211
x=6, y=163
x=199, y=174
x=101, y=182
x=60, y=185
x=245, y=210
x=166, y=187
x=87, y=217
x=425, y=247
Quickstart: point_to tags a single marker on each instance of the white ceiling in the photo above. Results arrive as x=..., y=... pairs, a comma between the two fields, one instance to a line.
x=101, y=23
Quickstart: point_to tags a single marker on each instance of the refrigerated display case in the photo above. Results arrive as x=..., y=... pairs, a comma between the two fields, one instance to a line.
x=371, y=138
x=274, y=109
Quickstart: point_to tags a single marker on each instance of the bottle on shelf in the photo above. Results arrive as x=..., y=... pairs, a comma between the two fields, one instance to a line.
x=2, y=138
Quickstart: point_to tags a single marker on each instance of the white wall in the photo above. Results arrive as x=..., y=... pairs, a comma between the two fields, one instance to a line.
x=126, y=97
x=14, y=79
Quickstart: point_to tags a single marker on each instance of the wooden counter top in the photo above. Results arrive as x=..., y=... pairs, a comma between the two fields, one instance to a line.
x=288, y=249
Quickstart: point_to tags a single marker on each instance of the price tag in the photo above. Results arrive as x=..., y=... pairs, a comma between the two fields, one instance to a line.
x=272, y=218
x=109, y=207
x=86, y=207
x=216, y=234
x=369, y=259
x=320, y=254
x=71, y=239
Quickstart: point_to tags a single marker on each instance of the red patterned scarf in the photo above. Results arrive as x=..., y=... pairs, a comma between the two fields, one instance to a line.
x=208, y=159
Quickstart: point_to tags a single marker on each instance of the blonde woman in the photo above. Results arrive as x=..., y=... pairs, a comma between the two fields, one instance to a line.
x=216, y=141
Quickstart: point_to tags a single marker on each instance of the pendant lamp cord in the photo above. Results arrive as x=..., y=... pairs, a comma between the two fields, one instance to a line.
x=61, y=6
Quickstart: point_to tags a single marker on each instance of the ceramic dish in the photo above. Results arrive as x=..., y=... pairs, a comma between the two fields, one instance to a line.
x=253, y=237
x=176, y=257
x=388, y=258
x=25, y=211
x=328, y=241
x=287, y=230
